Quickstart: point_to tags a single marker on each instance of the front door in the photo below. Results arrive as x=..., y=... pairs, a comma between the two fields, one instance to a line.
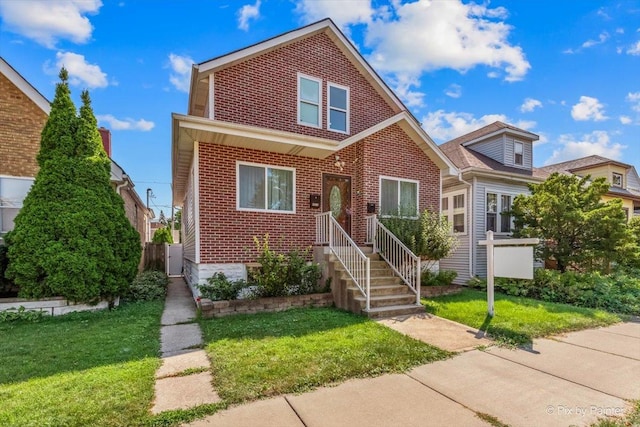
x=336, y=197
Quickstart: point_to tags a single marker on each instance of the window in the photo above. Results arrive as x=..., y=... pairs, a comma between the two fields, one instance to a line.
x=498, y=218
x=518, y=149
x=398, y=197
x=457, y=216
x=265, y=188
x=616, y=180
x=338, y=114
x=12, y=194
x=309, y=101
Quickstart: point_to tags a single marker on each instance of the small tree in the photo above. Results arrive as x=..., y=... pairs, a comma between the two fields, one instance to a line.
x=578, y=229
x=162, y=235
x=72, y=238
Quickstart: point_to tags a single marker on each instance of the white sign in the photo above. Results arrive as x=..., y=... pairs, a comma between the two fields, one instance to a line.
x=513, y=261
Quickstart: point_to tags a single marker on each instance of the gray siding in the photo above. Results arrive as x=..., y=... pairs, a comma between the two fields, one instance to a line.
x=188, y=220
x=482, y=187
x=459, y=260
x=527, y=153
x=493, y=148
x=633, y=183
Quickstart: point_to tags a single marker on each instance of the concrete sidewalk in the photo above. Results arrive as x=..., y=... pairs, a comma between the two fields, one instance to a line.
x=572, y=379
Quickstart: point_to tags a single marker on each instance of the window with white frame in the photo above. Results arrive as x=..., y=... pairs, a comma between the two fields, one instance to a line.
x=338, y=108
x=265, y=188
x=616, y=179
x=457, y=215
x=518, y=150
x=309, y=101
x=498, y=218
x=398, y=197
x=12, y=194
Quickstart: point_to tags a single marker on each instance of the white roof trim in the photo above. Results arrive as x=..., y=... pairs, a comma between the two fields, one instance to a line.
x=524, y=134
x=502, y=174
x=26, y=87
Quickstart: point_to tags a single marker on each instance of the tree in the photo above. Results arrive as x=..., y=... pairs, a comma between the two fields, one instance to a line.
x=162, y=235
x=72, y=238
x=577, y=228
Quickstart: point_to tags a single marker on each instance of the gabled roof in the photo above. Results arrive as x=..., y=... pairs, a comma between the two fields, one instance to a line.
x=485, y=132
x=198, y=94
x=21, y=83
x=583, y=163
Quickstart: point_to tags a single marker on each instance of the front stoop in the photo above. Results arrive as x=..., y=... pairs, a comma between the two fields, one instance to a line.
x=389, y=295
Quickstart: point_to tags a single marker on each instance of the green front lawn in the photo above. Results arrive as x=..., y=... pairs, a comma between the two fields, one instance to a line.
x=268, y=354
x=517, y=320
x=80, y=369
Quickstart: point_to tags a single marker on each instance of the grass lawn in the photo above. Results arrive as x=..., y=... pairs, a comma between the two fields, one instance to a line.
x=267, y=354
x=517, y=320
x=80, y=369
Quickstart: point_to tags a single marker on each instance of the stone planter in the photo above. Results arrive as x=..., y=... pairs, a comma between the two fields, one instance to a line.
x=250, y=306
x=436, y=291
x=54, y=306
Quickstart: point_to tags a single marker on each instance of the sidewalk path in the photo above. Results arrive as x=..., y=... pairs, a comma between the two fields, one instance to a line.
x=184, y=379
x=572, y=379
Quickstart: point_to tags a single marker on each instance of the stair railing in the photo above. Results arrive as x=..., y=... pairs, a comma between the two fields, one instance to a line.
x=399, y=257
x=355, y=262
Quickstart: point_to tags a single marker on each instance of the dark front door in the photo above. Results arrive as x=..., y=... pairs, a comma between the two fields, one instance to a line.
x=336, y=197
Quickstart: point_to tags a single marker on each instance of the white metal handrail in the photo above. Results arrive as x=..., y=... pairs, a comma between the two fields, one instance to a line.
x=355, y=262
x=401, y=259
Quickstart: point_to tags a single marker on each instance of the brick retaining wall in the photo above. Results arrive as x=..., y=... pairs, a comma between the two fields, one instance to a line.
x=250, y=306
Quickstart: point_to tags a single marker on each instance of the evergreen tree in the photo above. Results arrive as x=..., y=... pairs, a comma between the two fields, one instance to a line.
x=72, y=237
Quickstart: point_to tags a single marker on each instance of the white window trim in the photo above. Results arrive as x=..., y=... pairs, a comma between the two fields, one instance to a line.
x=329, y=108
x=319, y=81
x=381, y=177
x=266, y=193
x=613, y=184
x=450, y=212
x=514, y=152
x=499, y=209
x=19, y=205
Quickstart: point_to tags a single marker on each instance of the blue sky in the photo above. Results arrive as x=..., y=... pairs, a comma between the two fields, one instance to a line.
x=566, y=70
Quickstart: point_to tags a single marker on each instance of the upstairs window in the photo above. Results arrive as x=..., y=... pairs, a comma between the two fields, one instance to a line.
x=338, y=111
x=398, y=197
x=518, y=150
x=309, y=101
x=616, y=180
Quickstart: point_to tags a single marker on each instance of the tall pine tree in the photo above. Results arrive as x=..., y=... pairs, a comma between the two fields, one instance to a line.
x=72, y=237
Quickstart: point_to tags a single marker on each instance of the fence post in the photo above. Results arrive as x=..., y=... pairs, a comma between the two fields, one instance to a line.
x=490, y=297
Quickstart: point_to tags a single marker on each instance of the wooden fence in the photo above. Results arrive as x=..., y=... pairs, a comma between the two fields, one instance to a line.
x=154, y=256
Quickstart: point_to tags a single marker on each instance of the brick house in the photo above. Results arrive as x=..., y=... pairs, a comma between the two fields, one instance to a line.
x=23, y=113
x=284, y=130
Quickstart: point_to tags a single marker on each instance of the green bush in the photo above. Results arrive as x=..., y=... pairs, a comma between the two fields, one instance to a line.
x=618, y=292
x=21, y=314
x=162, y=235
x=148, y=286
x=219, y=288
x=5, y=284
x=441, y=278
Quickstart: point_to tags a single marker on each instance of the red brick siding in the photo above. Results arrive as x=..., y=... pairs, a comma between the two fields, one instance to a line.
x=21, y=122
x=227, y=234
x=262, y=91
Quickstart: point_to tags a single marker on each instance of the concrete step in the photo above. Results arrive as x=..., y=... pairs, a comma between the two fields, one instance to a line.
x=376, y=281
x=373, y=264
x=386, y=300
x=380, y=290
x=374, y=272
x=394, y=310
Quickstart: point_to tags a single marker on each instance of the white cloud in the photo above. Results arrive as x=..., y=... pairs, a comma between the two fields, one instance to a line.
x=402, y=85
x=603, y=37
x=634, y=49
x=181, y=71
x=588, y=109
x=126, y=124
x=449, y=34
x=81, y=73
x=443, y=126
x=247, y=13
x=529, y=105
x=47, y=21
x=343, y=13
x=634, y=99
x=626, y=120
x=595, y=143
x=619, y=30
x=454, y=91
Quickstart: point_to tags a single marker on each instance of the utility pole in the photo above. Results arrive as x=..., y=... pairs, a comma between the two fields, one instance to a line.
x=149, y=195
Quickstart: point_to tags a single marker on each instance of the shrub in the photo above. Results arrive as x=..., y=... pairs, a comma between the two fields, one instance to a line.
x=219, y=288
x=148, y=286
x=441, y=278
x=21, y=314
x=5, y=284
x=162, y=235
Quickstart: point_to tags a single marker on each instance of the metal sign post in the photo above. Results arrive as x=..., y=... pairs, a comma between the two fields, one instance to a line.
x=515, y=261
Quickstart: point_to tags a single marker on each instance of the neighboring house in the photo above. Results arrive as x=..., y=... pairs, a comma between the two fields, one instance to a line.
x=286, y=129
x=23, y=113
x=496, y=164
x=622, y=178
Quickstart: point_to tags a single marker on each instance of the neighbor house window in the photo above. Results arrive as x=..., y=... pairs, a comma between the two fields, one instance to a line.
x=518, y=149
x=398, y=197
x=338, y=111
x=265, y=188
x=12, y=194
x=616, y=180
x=498, y=218
x=457, y=216
x=309, y=101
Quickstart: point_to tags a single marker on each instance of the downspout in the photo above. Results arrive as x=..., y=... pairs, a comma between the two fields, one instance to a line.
x=470, y=211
